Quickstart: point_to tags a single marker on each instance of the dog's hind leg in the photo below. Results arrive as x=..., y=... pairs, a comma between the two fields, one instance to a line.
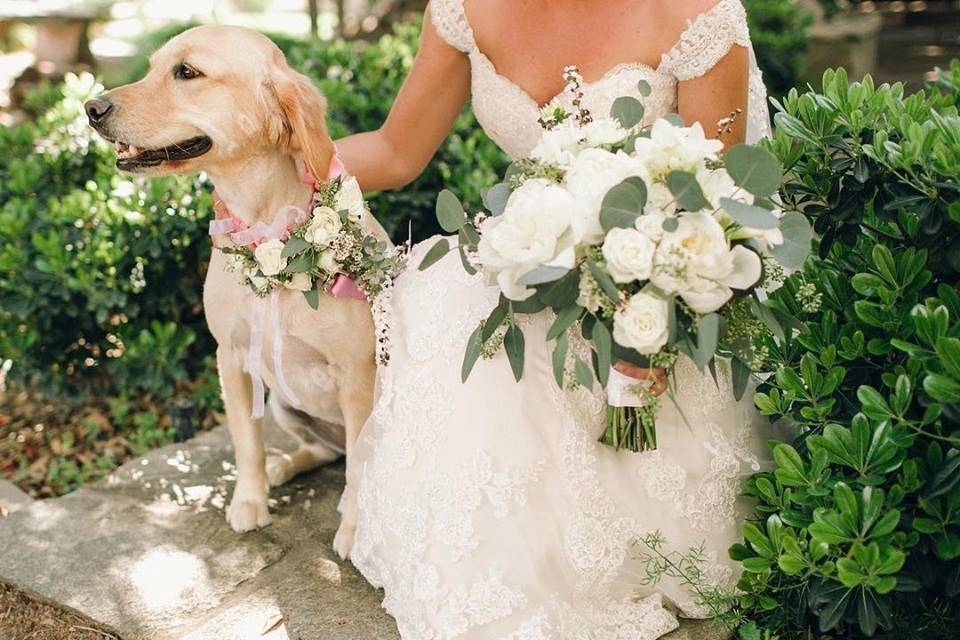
x=312, y=450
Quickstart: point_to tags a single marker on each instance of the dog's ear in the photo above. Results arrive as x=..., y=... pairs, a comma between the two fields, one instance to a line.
x=299, y=124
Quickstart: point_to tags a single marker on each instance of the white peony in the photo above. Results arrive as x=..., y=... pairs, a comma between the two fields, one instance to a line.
x=717, y=184
x=299, y=282
x=670, y=148
x=350, y=198
x=559, y=145
x=642, y=324
x=324, y=227
x=590, y=178
x=327, y=261
x=268, y=257
x=696, y=262
x=629, y=255
x=535, y=229
x=606, y=131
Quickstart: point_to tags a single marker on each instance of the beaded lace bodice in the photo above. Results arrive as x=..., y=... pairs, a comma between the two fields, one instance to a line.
x=509, y=115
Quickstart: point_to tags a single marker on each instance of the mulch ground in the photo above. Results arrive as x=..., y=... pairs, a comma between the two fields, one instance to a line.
x=27, y=617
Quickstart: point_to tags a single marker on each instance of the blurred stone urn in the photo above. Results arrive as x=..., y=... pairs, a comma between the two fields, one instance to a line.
x=848, y=39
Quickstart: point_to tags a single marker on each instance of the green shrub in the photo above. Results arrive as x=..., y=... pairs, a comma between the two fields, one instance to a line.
x=779, y=32
x=95, y=266
x=860, y=534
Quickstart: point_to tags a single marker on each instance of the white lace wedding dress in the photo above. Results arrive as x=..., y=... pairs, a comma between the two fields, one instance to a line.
x=488, y=510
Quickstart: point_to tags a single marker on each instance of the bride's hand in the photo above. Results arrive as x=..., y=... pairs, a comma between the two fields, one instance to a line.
x=656, y=375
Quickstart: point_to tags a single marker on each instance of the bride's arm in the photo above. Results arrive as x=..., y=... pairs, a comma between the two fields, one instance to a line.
x=428, y=103
x=717, y=94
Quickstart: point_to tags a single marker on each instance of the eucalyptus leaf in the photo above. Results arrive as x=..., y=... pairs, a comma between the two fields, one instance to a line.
x=671, y=224
x=472, y=354
x=623, y=204
x=740, y=373
x=562, y=293
x=543, y=275
x=750, y=216
x=797, y=241
x=603, y=343
x=644, y=88
x=583, y=374
x=495, y=319
x=313, y=298
x=628, y=111
x=708, y=337
x=513, y=342
x=495, y=198
x=464, y=260
x=565, y=319
x=435, y=254
x=560, y=359
x=675, y=119
x=604, y=281
x=294, y=246
x=754, y=169
x=533, y=304
x=301, y=264
x=450, y=213
x=686, y=190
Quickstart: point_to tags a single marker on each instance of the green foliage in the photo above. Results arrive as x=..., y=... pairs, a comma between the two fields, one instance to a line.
x=778, y=29
x=860, y=534
x=100, y=283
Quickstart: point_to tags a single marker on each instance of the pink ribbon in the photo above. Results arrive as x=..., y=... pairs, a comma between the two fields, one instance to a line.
x=346, y=288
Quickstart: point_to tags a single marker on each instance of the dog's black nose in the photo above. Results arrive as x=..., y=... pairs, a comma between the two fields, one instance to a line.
x=98, y=109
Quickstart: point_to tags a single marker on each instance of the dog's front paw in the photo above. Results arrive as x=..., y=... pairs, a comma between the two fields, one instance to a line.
x=248, y=511
x=343, y=541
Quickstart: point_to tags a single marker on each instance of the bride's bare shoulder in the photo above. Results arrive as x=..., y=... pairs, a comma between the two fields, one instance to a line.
x=680, y=12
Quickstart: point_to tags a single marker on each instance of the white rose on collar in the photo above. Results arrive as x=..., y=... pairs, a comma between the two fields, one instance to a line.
x=323, y=227
x=350, y=198
x=268, y=256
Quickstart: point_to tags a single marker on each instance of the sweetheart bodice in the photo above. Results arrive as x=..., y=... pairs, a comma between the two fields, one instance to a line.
x=510, y=116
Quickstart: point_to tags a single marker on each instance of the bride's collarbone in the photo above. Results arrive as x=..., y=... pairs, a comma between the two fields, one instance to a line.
x=531, y=42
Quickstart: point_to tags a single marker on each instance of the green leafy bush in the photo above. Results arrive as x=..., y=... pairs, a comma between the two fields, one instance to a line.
x=860, y=534
x=778, y=29
x=94, y=266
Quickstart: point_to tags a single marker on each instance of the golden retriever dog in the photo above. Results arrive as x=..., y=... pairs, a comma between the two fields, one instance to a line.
x=223, y=100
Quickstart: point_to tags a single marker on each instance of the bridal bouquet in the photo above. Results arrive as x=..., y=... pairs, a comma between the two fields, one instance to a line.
x=644, y=239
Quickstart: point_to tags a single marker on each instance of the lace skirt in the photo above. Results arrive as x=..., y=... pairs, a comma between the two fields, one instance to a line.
x=488, y=509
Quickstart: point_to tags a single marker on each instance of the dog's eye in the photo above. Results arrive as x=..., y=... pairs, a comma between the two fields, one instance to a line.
x=184, y=71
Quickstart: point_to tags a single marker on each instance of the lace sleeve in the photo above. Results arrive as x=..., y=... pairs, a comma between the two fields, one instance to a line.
x=707, y=40
x=451, y=22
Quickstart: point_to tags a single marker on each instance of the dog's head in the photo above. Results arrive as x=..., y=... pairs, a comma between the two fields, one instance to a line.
x=213, y=96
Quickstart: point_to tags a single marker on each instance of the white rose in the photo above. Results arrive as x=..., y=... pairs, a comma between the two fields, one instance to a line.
x=328, y=262
x=590, y=178
x=534, y=230
x=350, y=198
x=606, y=131
x=559, y=145
x=629, y=255
x=324, y=227
x=697, y=262
x=268, y=257
x=642, y=324
x=651, y=224
x=671, y=148
x=299, y=282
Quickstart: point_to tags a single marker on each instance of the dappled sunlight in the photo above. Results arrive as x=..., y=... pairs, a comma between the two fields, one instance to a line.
x=169, y=578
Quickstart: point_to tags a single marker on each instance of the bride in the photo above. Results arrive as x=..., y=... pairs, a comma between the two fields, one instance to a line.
x=487, y=510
